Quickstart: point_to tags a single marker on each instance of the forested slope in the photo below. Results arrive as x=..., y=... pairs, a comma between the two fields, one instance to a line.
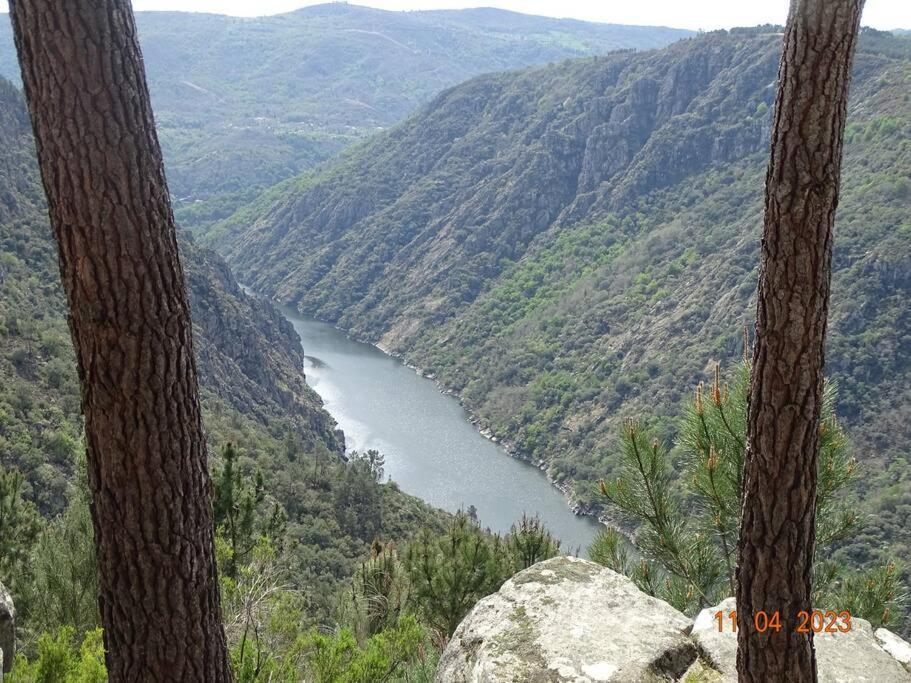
x=243, y=103
x=570, y=245
x=252, y=385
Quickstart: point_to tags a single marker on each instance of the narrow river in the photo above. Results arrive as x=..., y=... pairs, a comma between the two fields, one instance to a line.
x=431, y=449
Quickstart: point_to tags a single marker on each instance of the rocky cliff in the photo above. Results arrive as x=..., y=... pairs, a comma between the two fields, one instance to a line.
x=249, y=357
x=248, y=353
x=567, y=619
x=407, y=230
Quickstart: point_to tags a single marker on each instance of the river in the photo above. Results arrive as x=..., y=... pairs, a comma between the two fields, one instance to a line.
x=431, y=449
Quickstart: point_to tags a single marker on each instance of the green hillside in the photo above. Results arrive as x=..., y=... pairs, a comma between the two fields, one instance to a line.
x=252, y=384
x=244, y=103
x=569, y=245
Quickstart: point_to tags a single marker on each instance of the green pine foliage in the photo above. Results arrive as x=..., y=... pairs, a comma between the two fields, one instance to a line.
x=682, y=516
x=449, y=573
x=390, y=655
x=235, y=507
x=529, y=542
x=62, y=590
x=379, y=592
x=19, y=528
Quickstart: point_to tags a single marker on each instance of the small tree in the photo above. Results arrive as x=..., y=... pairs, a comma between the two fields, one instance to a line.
x=687, y=526
x=387, y=656
x=238, y=520
x=529, y=542
x=263, y=614
x=19, y=528
x=357, y=500
x=449, y=573
x=379, y=592
x=63, y=590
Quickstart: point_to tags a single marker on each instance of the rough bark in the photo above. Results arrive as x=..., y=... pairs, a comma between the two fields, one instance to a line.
x=779, y=506
x=109, y=206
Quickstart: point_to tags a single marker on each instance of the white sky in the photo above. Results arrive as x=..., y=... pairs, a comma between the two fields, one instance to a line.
x=693, y=14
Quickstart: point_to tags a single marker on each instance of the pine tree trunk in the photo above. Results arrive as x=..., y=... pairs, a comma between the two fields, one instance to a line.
x=777, y=535
x=129, y=317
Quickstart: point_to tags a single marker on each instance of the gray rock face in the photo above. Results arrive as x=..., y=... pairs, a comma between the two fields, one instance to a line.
x=895, y=646
x=853, y=657
x=7, y=630
x=568, y=619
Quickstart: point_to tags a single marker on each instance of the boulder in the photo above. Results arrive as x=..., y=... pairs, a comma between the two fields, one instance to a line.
x=895, y=646
x=853, y=657
x=567, y=619
x=7, y=630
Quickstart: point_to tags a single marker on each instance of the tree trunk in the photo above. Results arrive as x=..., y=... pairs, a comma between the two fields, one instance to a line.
x=777, y=534
x=130, y=322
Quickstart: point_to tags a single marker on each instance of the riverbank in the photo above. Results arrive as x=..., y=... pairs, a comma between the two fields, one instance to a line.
x=565, y=488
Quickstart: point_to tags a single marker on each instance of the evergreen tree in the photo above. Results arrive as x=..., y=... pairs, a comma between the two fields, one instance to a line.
x=686, y=526
x=129, y=318
x=449, y=573
x=237, y=517
x=379, y=591
x=777, y=544
x=63, y=587
x=529, y=542
x=358, y=506
x=19, y=528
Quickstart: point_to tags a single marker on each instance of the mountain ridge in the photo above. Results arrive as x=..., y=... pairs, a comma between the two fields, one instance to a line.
x=243, y=103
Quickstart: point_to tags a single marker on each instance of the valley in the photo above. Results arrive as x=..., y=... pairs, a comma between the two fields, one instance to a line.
x=501, y=276
x=431, y=451
x=569, y=246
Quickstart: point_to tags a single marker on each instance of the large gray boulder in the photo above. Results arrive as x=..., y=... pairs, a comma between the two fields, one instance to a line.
x=567, y=619
x=853, y=657
x=7, y=630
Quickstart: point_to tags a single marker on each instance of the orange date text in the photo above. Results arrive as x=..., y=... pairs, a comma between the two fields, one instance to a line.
x=816, y=621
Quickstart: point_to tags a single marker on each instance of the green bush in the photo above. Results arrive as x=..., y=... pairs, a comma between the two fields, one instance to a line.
x=59, y=660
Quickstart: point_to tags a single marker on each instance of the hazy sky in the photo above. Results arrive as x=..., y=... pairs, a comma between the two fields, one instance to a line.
x=694, y=14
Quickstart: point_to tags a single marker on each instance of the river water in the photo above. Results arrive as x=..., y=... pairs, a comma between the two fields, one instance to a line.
x=431, y=449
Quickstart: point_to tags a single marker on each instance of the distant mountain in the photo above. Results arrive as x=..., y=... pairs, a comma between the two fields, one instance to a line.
x=244, y=103
x=569, y=245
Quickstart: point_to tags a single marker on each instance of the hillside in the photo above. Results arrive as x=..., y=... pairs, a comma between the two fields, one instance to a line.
x=252, y=384
x=566, y=246
x=244, y=103
x=249, y=355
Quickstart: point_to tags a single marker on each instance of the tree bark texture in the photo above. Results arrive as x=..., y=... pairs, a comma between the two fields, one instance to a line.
x=777, y=537
x=109, y=206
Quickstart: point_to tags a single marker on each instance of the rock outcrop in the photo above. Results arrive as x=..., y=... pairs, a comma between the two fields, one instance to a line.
x=568, y=619
x=7, y=631
x=854, y=657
